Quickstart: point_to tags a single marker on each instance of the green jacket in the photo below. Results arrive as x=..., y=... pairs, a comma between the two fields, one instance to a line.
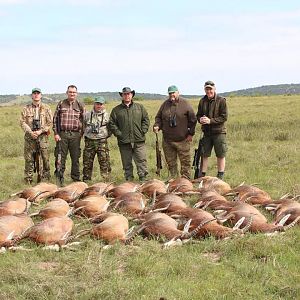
x=129, y=123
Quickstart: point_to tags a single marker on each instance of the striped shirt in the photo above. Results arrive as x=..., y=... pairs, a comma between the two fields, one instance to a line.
x=69, y=116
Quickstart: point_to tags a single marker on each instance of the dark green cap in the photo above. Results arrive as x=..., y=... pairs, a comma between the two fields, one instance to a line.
x=99, y=99
x=172, y=89
x=209, y=84
x=36, y=90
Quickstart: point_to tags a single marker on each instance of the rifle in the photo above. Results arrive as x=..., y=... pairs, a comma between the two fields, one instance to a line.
x=158, y=156
x=197, y=161
x=58, y=169
x=37, y=164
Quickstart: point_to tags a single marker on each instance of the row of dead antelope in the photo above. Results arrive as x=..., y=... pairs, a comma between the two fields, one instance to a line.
x=158, y=209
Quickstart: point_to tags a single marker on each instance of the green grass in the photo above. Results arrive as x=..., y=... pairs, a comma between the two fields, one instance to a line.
x=264, y=146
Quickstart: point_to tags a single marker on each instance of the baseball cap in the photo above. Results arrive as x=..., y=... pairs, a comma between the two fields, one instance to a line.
x=99, y=99
x=172, y=89
x=209, y=84
x=36, y=90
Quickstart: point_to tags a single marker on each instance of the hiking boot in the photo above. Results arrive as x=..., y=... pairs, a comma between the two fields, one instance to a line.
x=220, y=175
x=129, y=178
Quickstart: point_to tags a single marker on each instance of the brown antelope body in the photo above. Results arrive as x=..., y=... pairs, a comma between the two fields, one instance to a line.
x=153, y=186
x=251, y=194
x=91, y=206
x=122, y=189
x=285, y=207
x=113, y=227
x=55, y=208
x=51, y=231
x=96, y=189
x=170, y=202
x=14, y=206
x=210, y=227
x=38, y=192
x=213, y=183
x=131, y=203
x=247, y=211
x=211, y=199
x=12, y=227
x=70, y=192
x=180, y=185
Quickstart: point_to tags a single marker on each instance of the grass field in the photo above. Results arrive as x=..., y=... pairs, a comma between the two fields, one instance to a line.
x=264, y=146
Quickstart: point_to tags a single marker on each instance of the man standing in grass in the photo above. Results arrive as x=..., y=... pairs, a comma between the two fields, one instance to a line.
x=95, y=139
x=212, y=115
x=68, y=129
x=36, y=120
x=177, y=120
x=129, y=122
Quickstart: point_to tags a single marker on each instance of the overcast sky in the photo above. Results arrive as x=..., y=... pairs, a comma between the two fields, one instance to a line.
x=147, y=45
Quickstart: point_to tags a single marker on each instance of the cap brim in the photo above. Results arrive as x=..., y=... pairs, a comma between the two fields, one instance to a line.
x=209, y=86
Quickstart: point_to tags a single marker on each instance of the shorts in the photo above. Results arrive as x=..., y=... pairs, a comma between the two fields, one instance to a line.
x=218, y=141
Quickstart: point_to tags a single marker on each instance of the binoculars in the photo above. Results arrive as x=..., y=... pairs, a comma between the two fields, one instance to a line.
x=95, y=128
x=172, y=121
x=36, y=124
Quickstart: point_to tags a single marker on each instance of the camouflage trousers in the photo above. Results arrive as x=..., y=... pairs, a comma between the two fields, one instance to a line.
x=30, y=147
x=91, y=148
x=172, y=150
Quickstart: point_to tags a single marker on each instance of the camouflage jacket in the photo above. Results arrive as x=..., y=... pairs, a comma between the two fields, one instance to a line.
x=95, y=125
x=30, y=112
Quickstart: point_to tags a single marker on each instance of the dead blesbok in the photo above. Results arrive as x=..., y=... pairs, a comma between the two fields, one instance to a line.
x=14, y=206
x=12, y=227
x=51, y=231
x=55, y=208
x=70, y=192
x=251, y=194
x=153, y=186
x=122, y=189
x=246, y=211
x=111, y=227
x=180, y=185
x=205, y=224
x=285, y=208
x=211, y=199
x=38, y=192
x=213, y=183
x=99, y=188
x=159, y=225
x=91, y=206
x=169, y=203
x=131, y=203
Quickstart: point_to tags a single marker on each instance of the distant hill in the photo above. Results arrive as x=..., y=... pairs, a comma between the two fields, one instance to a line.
x=279, y=89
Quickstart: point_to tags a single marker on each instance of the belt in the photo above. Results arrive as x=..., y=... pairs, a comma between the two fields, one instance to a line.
x=69, y=131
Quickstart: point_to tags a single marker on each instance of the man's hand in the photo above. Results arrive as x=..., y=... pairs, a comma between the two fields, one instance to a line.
x=57, y=138
x=35, y=134
x=189, y=138
x=155, y=129
x=204, y=120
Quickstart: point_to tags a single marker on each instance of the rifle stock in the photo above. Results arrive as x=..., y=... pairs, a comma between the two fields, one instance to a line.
x=158, y=156
x=197, y=161
x=37, y=164
x=58, y=169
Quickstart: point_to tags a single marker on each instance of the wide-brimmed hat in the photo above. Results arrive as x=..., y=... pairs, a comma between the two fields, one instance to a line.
x=209, y=84
x=127, y=90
